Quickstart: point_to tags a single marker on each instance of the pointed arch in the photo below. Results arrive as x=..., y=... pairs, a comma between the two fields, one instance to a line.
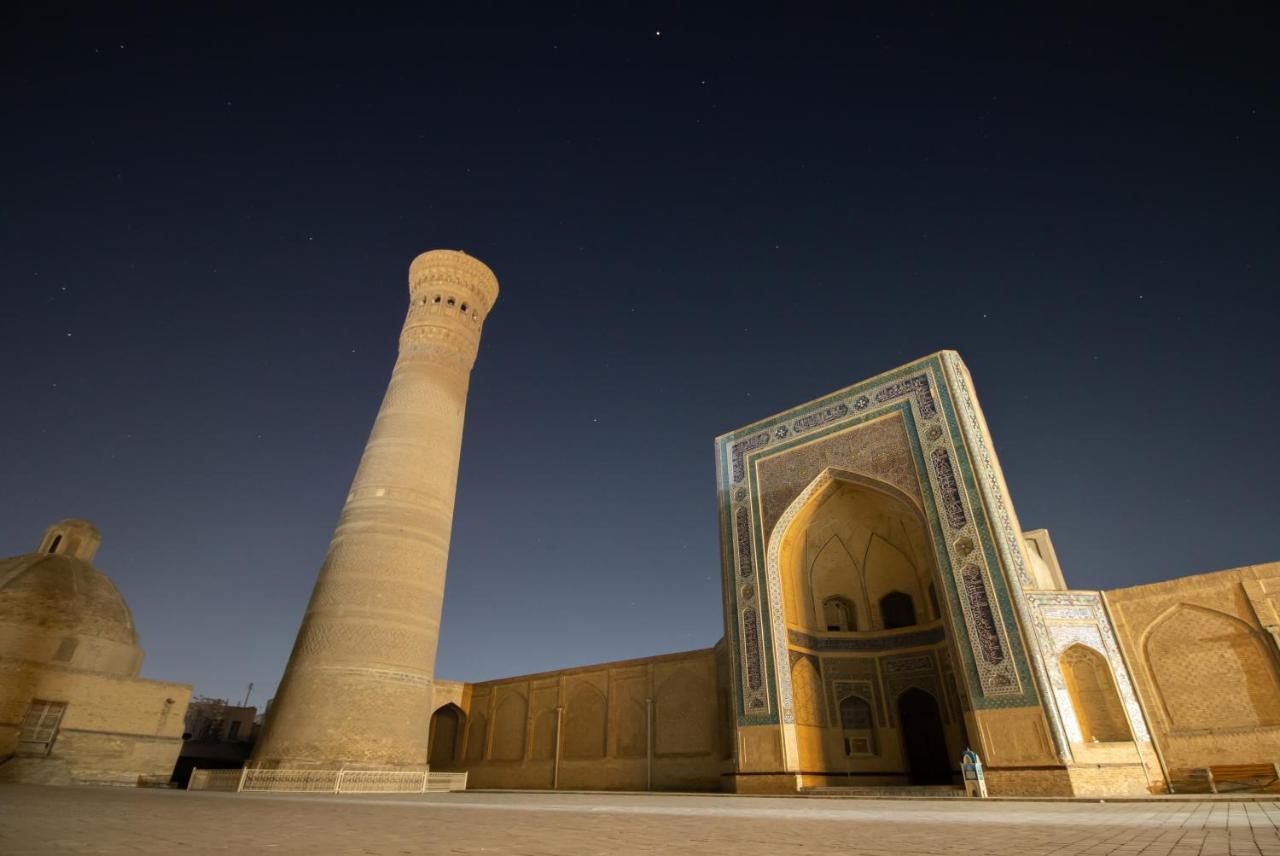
x=1094, y=697
x=445, y=734
x=858, y=726
x=788, y=538
x=477, y=735
x=509, y=727
x=685, y=714
x=584, y=723
x=834, y=573
x=1191, y=649
x=543, y=746
x=888, y=568
x=924, y=741
x=897, y=609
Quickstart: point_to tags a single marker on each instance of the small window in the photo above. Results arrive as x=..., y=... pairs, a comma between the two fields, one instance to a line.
x=838, y=615
x=451, y=301
x=233, y=731
x=858, y=726
x=53, y=545
x=897, y=610
x=437, y=300
x=66, y=649
x=464, y=307
x=40, y=727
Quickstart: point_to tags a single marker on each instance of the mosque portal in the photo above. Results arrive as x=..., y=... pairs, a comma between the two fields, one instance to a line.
x=873, y=688
x=873, y=570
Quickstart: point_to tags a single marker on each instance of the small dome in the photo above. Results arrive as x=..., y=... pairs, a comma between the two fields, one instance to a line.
x=59, y=593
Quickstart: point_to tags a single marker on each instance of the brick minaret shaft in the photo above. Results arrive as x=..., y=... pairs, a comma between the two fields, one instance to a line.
x=357, y=690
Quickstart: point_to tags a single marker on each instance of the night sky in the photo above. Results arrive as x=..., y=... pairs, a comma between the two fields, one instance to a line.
x=697, y=219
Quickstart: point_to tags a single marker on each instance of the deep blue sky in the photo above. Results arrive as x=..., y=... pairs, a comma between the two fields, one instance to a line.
x=697, y=220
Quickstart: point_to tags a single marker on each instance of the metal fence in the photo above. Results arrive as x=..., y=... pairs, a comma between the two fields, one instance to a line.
x=326, y=781
x=293, y=781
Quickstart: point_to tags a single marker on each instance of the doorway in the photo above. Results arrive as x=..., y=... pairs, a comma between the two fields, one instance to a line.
x=446, y=727
x=923, y=740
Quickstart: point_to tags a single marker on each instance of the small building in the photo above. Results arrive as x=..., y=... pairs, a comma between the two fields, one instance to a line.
x=217, y=735
x=72, y=707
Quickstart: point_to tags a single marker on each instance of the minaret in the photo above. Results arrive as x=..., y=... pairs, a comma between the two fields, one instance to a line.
x=357, y=690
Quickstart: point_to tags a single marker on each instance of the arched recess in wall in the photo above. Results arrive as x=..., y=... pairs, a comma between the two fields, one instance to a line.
x=891, y=571
x=544, y=736
x=633, y=735
x=584, y=723
x=446, y=729
x=476, y=736
x=858, y=726
x=839, y=615
x=1212, y=670
x=839, y=516
x=508, y=728
x=834, y=578
x=1094, y=697
x=897, y=609
x=685, y=714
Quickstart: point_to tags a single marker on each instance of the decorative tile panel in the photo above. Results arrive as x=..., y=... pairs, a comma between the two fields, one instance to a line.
x=1066, y=618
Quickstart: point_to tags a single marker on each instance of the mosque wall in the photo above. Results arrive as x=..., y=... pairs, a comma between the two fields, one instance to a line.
x=1205, y=656
x=114, y=729
x=657, y=723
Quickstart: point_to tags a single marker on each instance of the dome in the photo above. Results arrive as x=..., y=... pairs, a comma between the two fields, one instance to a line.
x=59, y=593
x=57, y=608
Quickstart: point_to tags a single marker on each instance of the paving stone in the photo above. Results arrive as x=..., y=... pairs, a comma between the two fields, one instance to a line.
x=52, y=820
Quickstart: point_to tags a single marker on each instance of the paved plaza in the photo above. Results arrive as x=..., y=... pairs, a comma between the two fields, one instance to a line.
x=108, y=820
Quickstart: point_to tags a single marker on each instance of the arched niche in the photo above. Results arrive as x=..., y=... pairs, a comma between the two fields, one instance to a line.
x=897, y=609
x=854, y=540
x=585, y=722
x=447, y=724
x=839, y=614
x=858, y=726
x=1092, y=688
x=477, y=734
x=1212, y=670
x=544, y=735
x=509, y=728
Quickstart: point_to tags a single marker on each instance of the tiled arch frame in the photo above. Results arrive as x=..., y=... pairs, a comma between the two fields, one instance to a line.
x=977, y=551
